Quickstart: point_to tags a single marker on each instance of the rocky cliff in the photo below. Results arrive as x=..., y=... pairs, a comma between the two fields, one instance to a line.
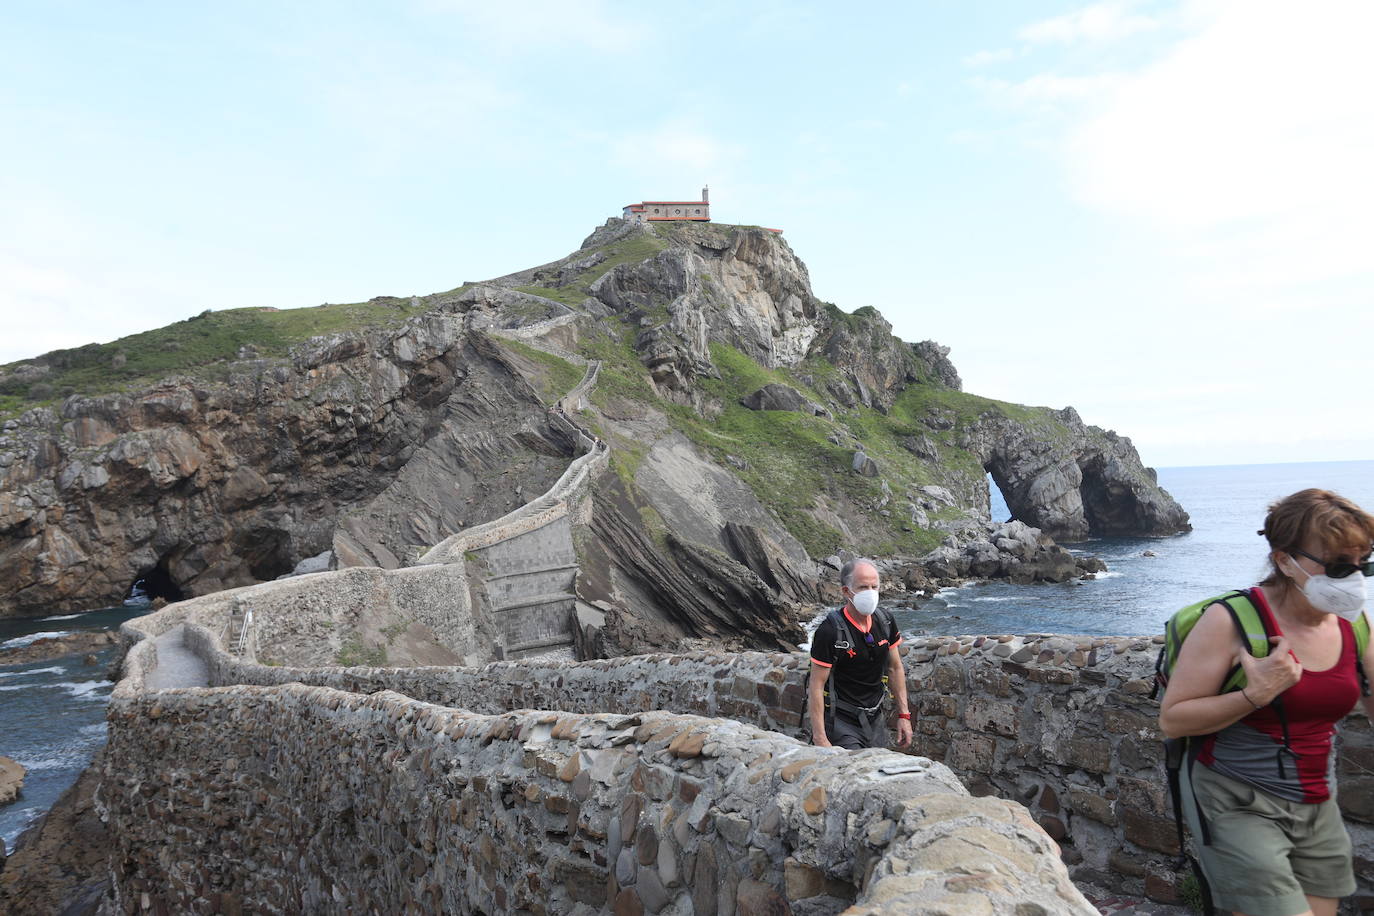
x=752, y=428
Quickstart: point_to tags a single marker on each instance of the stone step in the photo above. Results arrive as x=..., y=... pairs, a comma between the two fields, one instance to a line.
x=533, y=601
x=530, y=572
x=551, y=643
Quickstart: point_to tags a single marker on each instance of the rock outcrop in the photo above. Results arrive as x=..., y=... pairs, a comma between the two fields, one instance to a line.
x=781, y=397
x=53, y=647
x=11, y=780
x=1075, y=481
x=672, y=593
x=1013, y=551
x=60, y=864
x=374, y=442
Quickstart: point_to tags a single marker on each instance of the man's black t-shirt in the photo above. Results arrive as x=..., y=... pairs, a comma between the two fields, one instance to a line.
x=856, y=665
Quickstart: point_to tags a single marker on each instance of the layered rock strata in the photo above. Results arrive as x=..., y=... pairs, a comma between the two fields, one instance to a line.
x=200, y=486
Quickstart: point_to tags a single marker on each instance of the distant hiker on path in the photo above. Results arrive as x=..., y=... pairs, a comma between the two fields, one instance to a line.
x=850, y=651
x=1256, y=779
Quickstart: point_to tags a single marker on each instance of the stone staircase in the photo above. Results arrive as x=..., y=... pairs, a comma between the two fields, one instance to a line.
x=526, y=566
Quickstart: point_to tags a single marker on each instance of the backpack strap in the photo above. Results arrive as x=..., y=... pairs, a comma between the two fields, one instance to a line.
x=1253, y=629
x=1361, y=628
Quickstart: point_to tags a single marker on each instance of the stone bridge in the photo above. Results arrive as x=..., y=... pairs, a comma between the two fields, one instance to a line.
x=662, y=784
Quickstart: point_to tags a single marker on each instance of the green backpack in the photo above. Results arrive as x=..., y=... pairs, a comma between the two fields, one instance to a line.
x=1255, y=634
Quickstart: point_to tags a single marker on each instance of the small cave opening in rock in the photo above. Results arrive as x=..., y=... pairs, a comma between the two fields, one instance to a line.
x=156, y=582
x=1111, y=508
x=265, y=551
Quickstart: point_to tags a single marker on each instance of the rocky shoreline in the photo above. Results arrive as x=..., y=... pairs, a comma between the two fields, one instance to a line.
x=60, y=864
x=1011, y=552
x=54, y=646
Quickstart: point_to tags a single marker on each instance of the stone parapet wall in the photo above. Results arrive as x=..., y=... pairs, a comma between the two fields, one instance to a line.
x=305, y=615
x=1064, y=725
x=306, y=799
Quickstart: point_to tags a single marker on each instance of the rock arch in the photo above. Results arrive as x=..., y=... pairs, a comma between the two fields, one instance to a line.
x=1074, y=481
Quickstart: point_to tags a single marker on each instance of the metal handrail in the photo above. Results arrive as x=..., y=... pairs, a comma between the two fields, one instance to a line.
x=243, y=632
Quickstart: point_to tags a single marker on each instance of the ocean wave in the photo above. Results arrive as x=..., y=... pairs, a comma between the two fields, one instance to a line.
x=63, y=617
x=811, y=628
x=82, y=690
x=1001, y=598
x=32, y=637
x=85, y=690
x=26, y=818
x=66, y=757
x=32, y=671
x=1107, y=574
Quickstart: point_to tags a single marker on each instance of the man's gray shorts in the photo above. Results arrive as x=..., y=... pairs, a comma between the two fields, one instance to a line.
x=853, y=732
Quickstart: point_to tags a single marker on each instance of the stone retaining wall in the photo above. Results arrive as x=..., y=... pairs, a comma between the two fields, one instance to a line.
x=1064, y=725
x=305, y=799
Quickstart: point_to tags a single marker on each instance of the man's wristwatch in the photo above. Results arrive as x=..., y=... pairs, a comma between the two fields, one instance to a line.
x=904, y=715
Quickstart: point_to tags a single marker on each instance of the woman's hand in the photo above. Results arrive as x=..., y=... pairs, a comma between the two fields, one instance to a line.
x=1266, y=678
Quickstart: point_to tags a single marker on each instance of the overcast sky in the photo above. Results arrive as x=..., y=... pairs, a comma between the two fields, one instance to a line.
x=1158, y=212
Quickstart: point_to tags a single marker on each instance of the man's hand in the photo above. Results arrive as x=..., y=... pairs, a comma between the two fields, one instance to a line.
x=1266, y=678
x=820, y=740
x=903, y=732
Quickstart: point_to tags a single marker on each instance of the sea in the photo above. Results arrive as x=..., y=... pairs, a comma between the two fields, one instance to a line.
x=52, y=713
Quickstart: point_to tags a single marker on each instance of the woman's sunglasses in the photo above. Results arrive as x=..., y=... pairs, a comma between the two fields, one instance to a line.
x=1341, y=569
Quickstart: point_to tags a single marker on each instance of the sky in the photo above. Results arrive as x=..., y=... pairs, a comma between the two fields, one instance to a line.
x=1161, y=213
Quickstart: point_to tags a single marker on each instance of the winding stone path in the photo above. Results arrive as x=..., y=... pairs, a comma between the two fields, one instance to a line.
x=177, y=666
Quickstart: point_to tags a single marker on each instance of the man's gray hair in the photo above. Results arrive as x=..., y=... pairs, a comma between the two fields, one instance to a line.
x=847, y=571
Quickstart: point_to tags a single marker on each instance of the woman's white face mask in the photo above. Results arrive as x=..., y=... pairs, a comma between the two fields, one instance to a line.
x=1343, y=597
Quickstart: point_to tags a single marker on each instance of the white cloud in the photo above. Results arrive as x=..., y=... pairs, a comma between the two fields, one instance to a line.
x=1249, y=144
x=1107, y=21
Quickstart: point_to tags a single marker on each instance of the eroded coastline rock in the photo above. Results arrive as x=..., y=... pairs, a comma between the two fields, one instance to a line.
x=200, y=486
x=1085, y=482
x=55, y=646
x=12, y=775
x=61, y=863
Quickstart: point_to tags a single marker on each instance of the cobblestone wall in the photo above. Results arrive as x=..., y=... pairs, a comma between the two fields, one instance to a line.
x=306, y=799
x=1063, y=725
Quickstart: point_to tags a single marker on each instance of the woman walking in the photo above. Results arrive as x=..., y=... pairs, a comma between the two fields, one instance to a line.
x=1259, y=793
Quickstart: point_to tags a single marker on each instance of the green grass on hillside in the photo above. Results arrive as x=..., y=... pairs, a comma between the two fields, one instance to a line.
x=628, y=251
x=559, y=376
x=790, y=460
x=192, y=346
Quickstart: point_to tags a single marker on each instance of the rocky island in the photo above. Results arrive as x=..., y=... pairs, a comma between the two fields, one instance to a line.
x=752, y=428
x=653, y=445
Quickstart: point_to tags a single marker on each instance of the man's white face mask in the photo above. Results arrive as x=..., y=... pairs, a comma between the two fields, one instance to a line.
x=866, y=601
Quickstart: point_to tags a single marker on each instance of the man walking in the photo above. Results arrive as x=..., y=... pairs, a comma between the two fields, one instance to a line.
x=850, y=650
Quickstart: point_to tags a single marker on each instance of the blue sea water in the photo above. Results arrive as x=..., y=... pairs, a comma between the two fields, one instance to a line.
x=1138, y=593
x=52, y=713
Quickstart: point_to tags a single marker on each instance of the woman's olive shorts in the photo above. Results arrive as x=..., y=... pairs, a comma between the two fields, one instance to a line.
x=1266, y=852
